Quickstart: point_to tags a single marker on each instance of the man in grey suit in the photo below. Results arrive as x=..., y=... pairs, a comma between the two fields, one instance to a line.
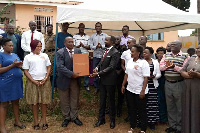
x=68, y=83
x=106, y=71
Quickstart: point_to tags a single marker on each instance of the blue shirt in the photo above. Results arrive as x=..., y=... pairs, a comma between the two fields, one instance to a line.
x=61, y=39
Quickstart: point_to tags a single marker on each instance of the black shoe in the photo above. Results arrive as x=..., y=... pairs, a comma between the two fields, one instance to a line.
x=118, y=113
x=127, y=118
x=36, y=127
x=99, y=123
x=107, y=111
x=170, y=130
x=78, y=122
x=21, y=127
x=65, y=123
x=112, y=124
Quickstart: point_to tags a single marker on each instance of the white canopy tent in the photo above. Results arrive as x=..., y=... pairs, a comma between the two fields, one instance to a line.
x=143, y=16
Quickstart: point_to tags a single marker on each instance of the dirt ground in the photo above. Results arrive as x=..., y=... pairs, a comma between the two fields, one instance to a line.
x=88, y=113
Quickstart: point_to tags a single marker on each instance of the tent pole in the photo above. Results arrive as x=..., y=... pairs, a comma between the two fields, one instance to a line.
x=54, y=66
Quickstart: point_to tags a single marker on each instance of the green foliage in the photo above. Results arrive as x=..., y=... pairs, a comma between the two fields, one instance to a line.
x=5, y=8
x=19, y=30
x=180, y=4
x=194, y=33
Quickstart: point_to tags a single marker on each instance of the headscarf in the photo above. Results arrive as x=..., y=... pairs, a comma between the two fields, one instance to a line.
x=34, y=44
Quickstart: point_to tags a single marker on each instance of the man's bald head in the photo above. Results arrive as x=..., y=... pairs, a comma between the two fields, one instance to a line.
x=168, y=47
x=131, y=42
x=176, y=46
x=143, y=41
x=178, y=42
x=32, y=25
x=117, y=39
x=10, y=29
x=69, y=43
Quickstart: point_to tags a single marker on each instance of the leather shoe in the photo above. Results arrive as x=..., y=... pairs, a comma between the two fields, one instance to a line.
x=170, y=130
x=78, y=122
x=99, y=123
x=112, y=124
x=65, y=123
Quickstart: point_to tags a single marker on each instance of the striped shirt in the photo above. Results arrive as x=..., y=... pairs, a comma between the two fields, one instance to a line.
x=84, y=39
x=179, y=60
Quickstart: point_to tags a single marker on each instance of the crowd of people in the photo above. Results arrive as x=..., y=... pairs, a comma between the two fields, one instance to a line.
x=160, y=87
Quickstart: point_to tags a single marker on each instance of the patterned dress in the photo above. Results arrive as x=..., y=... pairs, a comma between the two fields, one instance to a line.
x=152, y=101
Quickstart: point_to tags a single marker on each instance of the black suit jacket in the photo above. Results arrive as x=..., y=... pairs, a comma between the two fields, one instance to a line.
x=64, y=65
x=107, y=67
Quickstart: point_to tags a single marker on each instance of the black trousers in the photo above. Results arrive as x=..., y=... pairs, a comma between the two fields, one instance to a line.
x=104, y=91
x=135, y=103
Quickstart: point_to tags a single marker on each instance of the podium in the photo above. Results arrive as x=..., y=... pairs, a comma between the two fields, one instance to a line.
x=81, y=64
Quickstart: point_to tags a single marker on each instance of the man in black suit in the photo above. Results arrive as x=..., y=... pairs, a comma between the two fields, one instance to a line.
x=68, y=83
x=106, y=71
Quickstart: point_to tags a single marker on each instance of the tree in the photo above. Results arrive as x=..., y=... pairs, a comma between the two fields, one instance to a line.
x=180, y=4
x=4, y=9
x=194, y=33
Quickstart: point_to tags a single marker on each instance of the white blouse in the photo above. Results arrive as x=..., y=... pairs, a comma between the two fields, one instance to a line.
x=136, y=72
x=36, y=65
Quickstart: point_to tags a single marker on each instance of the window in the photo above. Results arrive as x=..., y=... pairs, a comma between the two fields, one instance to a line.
x=41, y=9
x=42, y=21
x=156, y=37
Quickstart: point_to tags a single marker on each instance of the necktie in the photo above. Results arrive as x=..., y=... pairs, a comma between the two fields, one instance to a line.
x=70, y=52
x=32, y=37
x=105, y=54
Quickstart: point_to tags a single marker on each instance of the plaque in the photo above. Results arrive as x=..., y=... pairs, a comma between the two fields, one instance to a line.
x=81, y=64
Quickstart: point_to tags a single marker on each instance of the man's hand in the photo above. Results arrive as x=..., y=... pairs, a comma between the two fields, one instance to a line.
x=75, y=75
x=169, y=64
x=142, y=94
x=151, y=77
x=93, y=75
x=99, y=46
x=95, y=70
x=81, y=44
